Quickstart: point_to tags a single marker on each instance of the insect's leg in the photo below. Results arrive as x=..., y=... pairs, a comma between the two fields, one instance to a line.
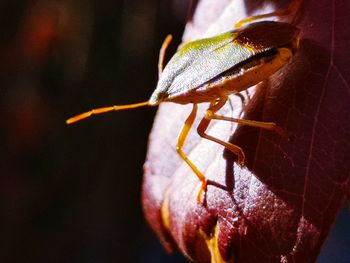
x=258, y=124
x=247, y=94
x=243, y=101
x=292, y=9
x=203, y=125
x=240, y=95
x=162, y=51
x=180, y=143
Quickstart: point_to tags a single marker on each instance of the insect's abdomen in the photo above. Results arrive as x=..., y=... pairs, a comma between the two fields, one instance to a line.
x=233, y=83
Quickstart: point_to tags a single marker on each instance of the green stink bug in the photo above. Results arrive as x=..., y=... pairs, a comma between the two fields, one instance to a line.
x=209, y=70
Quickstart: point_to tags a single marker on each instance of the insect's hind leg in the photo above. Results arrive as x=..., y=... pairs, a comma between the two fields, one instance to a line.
x=291, y=10
x=203, y=125
x=180, y=143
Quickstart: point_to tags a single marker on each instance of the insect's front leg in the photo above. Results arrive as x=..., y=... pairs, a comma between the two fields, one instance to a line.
x=180, y=143
x=203, y=125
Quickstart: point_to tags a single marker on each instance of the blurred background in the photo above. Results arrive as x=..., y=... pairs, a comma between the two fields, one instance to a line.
x=72, y=193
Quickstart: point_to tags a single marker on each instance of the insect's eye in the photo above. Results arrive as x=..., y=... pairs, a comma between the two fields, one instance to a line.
x=161, y=95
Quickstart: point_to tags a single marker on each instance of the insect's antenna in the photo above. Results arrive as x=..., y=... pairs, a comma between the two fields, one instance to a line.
x=162, y=51
x=102, y=110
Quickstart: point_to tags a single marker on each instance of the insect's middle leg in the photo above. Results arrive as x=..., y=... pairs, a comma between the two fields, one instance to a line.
x=180, y=143
x=203, y=125
x=271, y=126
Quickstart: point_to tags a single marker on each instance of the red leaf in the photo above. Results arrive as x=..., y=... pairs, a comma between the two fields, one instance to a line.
x=281, y=206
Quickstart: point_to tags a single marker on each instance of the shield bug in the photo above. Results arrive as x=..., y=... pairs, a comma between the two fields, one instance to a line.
x=211, y=69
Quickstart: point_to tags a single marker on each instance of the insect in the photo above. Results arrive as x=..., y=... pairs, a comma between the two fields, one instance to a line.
x=211, y=69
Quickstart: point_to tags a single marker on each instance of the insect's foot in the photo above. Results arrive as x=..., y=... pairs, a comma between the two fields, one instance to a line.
x=281, y=132
x=241, y=163
x=202, y=190
x=241, y=159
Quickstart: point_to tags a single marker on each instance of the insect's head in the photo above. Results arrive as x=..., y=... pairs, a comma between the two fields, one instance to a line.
x=159, y=95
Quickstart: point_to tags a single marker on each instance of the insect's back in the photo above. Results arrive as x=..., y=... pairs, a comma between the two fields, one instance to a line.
x=201, y=61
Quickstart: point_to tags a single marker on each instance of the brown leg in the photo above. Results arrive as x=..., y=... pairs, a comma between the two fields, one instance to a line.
x=203, y=125
x=243, y=101
x=162, y=51
x=180, y=143
x=239, y=95
x=291, y=10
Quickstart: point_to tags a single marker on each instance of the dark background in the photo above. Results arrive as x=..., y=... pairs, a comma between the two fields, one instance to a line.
x=72, y=193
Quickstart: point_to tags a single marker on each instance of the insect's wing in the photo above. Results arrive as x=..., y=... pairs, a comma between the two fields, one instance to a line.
x=206, y=67
x=200, y=61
